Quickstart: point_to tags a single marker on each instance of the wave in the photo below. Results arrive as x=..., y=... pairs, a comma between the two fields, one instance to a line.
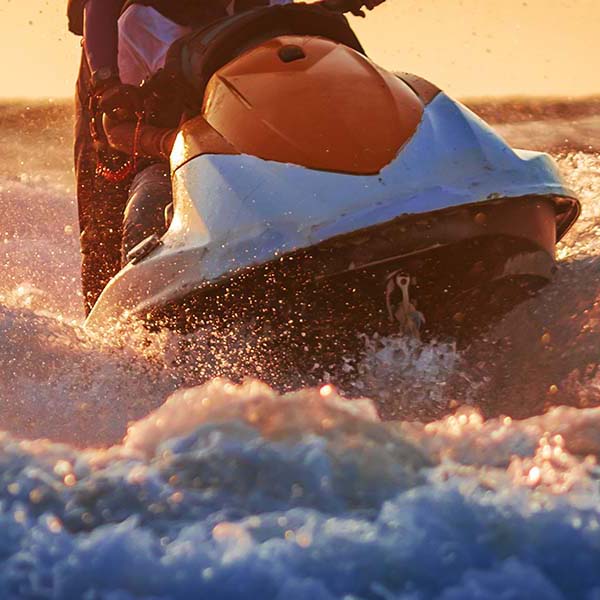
x=237, y=492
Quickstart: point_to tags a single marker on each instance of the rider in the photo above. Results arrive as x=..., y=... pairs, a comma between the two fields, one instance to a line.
x=102, y=199
x=124, y=43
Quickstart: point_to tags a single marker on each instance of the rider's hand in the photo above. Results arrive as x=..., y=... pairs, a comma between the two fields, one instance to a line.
x=121, y=101
x=371, y=4
x=352, y=6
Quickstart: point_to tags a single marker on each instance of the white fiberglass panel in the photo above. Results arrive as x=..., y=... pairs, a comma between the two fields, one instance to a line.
x=245, y=210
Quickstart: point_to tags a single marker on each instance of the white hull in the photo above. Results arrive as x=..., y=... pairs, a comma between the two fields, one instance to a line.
x=236, y=212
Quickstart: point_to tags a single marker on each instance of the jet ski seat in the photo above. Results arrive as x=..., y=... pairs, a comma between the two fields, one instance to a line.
x=193, y=59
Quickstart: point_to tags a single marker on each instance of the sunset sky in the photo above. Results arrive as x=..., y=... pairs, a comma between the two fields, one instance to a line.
x=468, y=47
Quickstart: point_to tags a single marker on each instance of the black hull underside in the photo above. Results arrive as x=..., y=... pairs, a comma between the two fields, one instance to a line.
x=464, y=263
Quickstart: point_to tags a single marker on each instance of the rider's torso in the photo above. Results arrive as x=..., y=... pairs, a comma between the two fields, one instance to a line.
x=188, y=13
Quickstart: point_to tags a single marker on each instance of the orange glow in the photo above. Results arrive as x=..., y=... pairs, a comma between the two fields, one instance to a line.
x=468, y=47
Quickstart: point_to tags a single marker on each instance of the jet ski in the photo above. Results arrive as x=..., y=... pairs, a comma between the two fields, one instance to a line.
x=331, y=194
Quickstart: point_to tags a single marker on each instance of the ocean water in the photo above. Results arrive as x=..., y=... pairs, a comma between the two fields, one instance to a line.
x=443, y=473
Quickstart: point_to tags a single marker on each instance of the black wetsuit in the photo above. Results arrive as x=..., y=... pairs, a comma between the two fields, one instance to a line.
x=100, y=203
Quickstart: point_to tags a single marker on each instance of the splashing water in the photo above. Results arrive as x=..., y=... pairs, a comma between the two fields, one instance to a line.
x=236, y=491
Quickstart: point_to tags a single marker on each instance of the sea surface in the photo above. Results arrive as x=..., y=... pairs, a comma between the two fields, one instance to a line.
x=446, y=472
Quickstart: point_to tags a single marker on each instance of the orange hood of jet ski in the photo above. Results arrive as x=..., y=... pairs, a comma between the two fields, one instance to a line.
x=340, y=111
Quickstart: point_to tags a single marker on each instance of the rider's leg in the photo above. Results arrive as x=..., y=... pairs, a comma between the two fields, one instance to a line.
x=100, y=204
x=149, y=196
